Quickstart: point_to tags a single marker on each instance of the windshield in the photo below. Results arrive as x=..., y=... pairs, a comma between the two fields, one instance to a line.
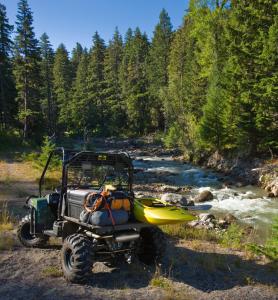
x=96, y=176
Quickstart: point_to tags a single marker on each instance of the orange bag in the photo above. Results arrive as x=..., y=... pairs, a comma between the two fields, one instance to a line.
x=120, y=204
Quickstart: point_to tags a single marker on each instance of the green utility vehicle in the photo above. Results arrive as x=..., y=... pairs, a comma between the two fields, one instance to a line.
x=57, y=214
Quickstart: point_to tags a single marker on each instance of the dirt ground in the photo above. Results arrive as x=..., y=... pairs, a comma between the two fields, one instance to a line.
x=190, y=269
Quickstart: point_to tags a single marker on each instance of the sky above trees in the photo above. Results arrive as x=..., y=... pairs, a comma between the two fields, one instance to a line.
x=70, y=20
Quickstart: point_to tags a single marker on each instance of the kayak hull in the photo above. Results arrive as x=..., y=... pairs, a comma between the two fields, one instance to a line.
x=156, y=212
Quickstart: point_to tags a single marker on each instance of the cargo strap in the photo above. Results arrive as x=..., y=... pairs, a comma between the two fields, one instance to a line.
x=100, y=200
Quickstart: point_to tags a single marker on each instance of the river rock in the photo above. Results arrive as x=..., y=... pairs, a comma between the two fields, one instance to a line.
x=272, y=188
x=174, y=198
x=229, y=218
x=204, y=196
x=169, y=188
x=206, y=217
x=193, y=223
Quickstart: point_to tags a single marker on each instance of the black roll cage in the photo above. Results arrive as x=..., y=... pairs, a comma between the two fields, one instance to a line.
x=69, y=156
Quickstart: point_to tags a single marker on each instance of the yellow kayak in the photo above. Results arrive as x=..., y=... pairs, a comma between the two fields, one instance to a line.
x=158, y=212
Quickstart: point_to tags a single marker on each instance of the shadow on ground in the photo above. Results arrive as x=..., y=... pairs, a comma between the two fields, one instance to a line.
x=204, y=271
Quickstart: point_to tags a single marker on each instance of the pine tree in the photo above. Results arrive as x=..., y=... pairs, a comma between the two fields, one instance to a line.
x=62, y=85
x=7, y=91
x=47, y=60
x=113, y=93
x=27, y=72
x=186, y=93
x=212, y=131
x=248, y=28
x=81, y=101
x=134, y=82
x=157, y=67
x=267, y=85
x=96, y=85
x=76, y=58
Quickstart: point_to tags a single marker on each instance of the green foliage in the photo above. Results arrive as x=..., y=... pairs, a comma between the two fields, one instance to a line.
x=134, y=82
x=113, y=93
x=26, y=71
x=233, y=237
x=62, y=84
x=158, y=61
x=40, y=158
x=172, y=137
x=46, y=67
x=210, y=85
x=184, y=232
x=7, y=87
x=270, y=249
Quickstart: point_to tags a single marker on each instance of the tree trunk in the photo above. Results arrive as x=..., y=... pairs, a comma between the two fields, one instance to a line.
x=25, y=130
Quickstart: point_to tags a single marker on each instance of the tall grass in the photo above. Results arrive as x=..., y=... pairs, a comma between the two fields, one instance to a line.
x=5, y=218
x=190, y=233
x=270, y=248
x=233, y=237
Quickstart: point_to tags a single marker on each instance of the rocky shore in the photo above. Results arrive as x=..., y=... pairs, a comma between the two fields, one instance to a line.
x=237, y=171
x=256, y=171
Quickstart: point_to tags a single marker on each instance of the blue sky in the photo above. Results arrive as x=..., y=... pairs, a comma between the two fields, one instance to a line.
x=71, y=21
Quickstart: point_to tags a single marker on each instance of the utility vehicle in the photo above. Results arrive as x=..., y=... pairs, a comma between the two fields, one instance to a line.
x=57, y=214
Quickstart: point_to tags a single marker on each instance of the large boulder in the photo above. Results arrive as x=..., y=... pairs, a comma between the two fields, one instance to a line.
x=203, y=197
x=272, y=188
x=175, y=199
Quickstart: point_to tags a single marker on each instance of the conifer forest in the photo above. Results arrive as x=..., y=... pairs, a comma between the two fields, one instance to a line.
x=210, y=85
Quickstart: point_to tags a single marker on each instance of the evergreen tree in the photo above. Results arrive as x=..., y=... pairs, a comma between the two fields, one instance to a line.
x=186, y=93
x=76, y=58
x=134, y=82
x=81, y=101
x=113, y=93
x=212, y=129
x=7, y=92
x=27, y=72
x=157, y=67
x=248, y=29
x=267, y=84
x=96, y=85
x=62, y=85
x=47, y=60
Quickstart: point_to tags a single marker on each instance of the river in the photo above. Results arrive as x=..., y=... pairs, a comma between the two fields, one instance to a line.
x=249, y=204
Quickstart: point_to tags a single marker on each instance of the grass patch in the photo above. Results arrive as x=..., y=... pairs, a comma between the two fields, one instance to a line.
x=52, y=271
x=233, y=237
x=214, y=263
x=270, y=249
x=5, y=218
x=6, y=242
x=190, y=233
x=160, y=281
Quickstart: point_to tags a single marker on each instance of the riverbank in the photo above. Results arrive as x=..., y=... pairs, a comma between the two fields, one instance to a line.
x=237, y=171
x=198, y=264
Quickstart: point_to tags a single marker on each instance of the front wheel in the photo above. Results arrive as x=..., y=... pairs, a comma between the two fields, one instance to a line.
x=77, y=258
x=26, y=238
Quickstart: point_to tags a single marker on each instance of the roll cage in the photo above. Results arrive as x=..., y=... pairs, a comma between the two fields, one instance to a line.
x=74, y=158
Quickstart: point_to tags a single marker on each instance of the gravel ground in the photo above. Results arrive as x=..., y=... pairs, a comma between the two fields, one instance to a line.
x=189, y=270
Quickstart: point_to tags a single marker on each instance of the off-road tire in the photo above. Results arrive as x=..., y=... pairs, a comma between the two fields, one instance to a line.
x=77, y=258
x=27, y=239
x=151, y=246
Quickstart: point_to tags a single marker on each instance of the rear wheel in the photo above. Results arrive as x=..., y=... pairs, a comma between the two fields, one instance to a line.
x=152, y=245
x=77, y=258
x=26, y=238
